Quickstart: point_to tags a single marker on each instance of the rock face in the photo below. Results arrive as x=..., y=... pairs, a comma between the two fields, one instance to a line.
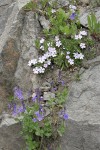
x=84, y=13
x=23, y=75
x=18, y=30
x=5, y=11
x=83, y=108
x=10, y=137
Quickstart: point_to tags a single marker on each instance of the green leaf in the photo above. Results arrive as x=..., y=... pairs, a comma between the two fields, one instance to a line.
x=37, y=44
x=61, y=129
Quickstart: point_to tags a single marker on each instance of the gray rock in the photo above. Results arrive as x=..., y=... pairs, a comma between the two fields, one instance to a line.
x=85, y=1
x=95, y=3
x=48, y=95
x=6, y=120
x=61, y=3
x=46, y=89
x=47, y=84
x=44, y=23
x=92, y=3
x=10, y=137
x=5, y=11
x=9, y=53
x=24, y=76
x=85, y=13
x=17, y=43
x=83, y=108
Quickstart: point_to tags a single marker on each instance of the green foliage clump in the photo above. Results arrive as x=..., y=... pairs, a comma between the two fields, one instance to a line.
x=94, y=25
x=63, y=41
x=32, y=5
x=40, y=125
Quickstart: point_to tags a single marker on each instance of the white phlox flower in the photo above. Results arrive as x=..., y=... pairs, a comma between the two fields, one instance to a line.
x=49, y=62
x=58, y=43
x=41, y=59
x=51, y=49
x=56, y=38
x=71, y=61
x=72, y=8
x=42, y=47
x=78, y=55
x=81, y=56
x=42, y=41
x=37, y=70
x=53, y=10
x=52, y=52
x=47, y=55
x=45, y=65
x=68, y=53
x=32, y=62
x=79, y=36
x=82, y=45
x=29, y=63
x=67, y=57
x=83, y=33
x=41, y=70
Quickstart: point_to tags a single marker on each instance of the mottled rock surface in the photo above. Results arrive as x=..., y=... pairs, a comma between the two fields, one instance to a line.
x=24, y=76
x=83, y=108
x=85, y=12
x=17, y=47
x=10, y=137
x=18, y=31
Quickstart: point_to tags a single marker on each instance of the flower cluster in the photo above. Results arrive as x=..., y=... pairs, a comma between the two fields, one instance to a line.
x=58, y=42
x=18, y=93
x=38, y=116
x=53, y=46
x=81, y=33
x=73, y=14
x=63, y=115
x=44, y=60
x=75, y=55
x=79, y=36
x=72, y=8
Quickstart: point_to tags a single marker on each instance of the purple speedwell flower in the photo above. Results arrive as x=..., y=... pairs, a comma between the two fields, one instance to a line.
x=34, y=98
x=73, y=15
x=18, y=93
x=38, y=94
x=34, y=120
x=17, y=110
x=14, y=108
x=23, y=105
x=65, y=116
x=9, y=106
x=20, y=109
x=39, y=116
